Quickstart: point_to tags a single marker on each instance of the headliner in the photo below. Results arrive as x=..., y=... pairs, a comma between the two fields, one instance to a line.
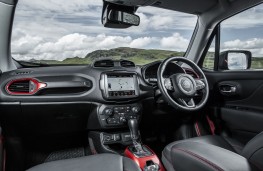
x=187, y=6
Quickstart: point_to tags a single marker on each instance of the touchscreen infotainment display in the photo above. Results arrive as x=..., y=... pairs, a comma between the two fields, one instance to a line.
x=121, y=85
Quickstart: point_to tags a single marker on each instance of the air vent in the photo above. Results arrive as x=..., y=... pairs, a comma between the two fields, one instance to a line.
x=125, y=63
x=21, y=72
x=26, y=86
x=104, y=63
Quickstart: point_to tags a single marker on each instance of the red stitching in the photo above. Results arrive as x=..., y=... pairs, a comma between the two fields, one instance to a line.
x=200, y=158
x=197, y=130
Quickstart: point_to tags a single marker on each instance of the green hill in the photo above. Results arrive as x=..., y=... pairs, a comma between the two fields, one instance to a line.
x=139, y=56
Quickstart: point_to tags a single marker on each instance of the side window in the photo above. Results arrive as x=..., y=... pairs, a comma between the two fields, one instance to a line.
x=241, y=41
x=209, y=60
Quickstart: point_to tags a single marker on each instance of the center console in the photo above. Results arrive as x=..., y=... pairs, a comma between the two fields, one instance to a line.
x=121, y=90
x=128, y=144
x=139, y=153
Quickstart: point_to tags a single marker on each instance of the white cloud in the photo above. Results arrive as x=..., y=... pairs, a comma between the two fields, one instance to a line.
x=76, y=44
x=24, y=44
x=161, y=22
x=246, y=19
x=255, y=45
x=176, y=42
x=67, y=46
x=142, y=42
x=247, y=44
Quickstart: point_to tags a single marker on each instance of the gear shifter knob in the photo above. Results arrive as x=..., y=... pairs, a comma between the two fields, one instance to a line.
x=134, y=128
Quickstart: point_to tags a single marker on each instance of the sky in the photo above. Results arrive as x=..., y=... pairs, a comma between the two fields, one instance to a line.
x=59, y=29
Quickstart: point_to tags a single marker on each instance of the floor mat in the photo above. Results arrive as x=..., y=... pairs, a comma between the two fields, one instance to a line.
x=66, y=154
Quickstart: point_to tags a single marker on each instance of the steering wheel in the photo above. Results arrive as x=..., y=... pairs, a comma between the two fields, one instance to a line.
x=180, y=89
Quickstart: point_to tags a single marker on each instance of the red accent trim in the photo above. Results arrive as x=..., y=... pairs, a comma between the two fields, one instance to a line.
x=141, y=162
x=191, y=70
x=197, y=129
x=211, y=125
x=38, y=86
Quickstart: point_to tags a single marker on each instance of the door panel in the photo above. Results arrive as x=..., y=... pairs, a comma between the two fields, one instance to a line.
x=241, y=112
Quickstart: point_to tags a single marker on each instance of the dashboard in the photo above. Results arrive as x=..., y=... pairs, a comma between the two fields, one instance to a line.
x=98, y=96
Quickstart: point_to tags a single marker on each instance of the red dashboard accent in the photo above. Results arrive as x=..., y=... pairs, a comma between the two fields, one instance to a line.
x=188, y=70
x=37, y=87
x=142, y=161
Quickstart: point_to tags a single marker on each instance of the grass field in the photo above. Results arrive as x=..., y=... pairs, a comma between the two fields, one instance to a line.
x=139, y=57
x=257, y=63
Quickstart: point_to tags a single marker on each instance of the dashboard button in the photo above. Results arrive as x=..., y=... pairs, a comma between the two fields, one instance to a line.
x=107, y=138
x=117, y=137
x=126, y=137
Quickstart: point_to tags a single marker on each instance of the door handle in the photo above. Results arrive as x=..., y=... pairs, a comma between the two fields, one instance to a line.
x=228, y=89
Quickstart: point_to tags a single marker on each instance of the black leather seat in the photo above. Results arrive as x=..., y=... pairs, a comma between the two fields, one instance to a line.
x=214, y=153
x=99, y=162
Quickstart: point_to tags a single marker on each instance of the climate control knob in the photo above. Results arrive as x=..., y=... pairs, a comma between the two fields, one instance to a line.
x=108, y=111
x=135, y=110
x=123, y=119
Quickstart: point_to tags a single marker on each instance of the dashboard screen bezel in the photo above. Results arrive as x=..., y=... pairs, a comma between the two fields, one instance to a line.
x=104, y=84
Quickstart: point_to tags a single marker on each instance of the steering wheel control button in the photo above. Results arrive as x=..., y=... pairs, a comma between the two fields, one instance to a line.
x=199, y=84
x=168, y=84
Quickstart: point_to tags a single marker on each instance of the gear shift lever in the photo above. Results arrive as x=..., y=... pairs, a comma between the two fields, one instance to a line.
x=133, y=125
x=137, y=149
x=135, y=136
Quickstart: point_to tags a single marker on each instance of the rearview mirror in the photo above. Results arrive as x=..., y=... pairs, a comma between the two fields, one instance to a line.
x=123, y=18
x=118, y=16
x=235, y=60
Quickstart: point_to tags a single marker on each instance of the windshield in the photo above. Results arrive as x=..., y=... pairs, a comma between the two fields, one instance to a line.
x=70, y=32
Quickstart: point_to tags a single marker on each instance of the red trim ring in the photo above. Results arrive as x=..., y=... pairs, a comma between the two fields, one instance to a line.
x=38, y=85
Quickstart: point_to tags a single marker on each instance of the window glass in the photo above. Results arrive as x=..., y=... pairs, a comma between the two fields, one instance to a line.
x=244, y=31
x=70, y=32
x=210, y=57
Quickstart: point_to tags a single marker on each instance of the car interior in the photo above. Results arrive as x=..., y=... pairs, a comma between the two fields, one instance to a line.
x=131, y=85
